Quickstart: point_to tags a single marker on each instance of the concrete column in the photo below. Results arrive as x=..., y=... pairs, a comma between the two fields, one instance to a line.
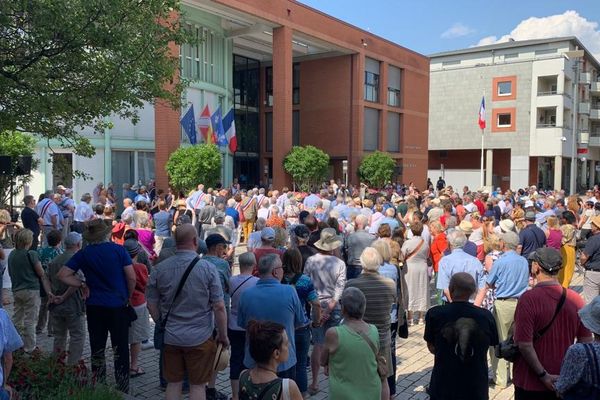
x=282, y=105
x=583, y=173
x=592, y=172
x=489, y=162
x=107, y=157
x=557, y=173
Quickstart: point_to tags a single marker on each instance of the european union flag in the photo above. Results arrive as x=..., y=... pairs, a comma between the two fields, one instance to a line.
x=188, y=123
x=217, y=123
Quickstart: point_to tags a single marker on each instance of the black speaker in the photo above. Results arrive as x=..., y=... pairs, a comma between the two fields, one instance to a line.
x=23, y=166
x=6, y=165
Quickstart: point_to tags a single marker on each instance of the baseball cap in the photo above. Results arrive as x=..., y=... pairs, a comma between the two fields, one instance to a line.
x=548, y=258
x=267, y=233
x=215, y=239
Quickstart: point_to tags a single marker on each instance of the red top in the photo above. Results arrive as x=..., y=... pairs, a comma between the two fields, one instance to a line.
x=263, y=251
x=438, y=245
x=480, y=206
x=534, y=311
x=141, y=280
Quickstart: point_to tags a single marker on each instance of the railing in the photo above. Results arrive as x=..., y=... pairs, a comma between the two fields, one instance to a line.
x=550, y=125
x=547, y=93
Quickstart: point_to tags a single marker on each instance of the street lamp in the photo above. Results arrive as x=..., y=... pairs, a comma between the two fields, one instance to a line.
x=574, y=55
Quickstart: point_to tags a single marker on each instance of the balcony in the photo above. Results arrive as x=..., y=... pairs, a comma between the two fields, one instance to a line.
x=585, y=78
x=595, y=112
x=584, y=108
x=594, y=141
x=595, y=87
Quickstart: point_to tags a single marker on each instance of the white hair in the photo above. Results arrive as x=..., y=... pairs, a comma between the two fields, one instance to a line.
x=457, y=239
x=370, y=259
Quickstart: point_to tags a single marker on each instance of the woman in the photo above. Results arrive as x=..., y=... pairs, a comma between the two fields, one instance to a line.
x=376, y=219
x=281, y=238
x=145, y=233
x=439, y=243
x=345, y=345
x=292, y=275
x=585, y=222
x=580, y=368
x=385, y=233
x=139, y=331
x=567, y=249
x=291, y=211
x=416, y=252
x=26, y=272
x=269, y=347
x=553, y=233
x=493, y=250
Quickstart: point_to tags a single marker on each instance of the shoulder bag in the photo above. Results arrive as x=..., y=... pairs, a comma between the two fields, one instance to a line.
x=415, y=251
x=159, y=330
x=509, y=350
x=382, y=367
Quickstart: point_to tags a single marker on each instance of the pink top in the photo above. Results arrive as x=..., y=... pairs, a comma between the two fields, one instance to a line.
x=554, y=239
x=146, y=239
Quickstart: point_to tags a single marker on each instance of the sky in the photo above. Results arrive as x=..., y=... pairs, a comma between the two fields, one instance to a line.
x=432, y=26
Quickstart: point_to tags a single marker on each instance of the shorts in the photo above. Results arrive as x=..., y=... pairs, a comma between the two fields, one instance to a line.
x=237, y=339
x=318, y=334
x=197, y=361
x=139, y=330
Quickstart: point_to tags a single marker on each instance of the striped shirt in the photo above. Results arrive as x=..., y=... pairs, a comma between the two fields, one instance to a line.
x=381, y=294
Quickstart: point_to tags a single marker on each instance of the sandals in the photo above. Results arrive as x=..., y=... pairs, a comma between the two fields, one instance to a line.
x=134, y=373
x=312, y=391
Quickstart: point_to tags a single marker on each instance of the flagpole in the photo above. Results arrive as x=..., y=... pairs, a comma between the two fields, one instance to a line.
x=482, y=147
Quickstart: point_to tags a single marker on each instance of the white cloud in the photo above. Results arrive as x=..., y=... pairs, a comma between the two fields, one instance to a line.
x=570, y=23
x=457, y=30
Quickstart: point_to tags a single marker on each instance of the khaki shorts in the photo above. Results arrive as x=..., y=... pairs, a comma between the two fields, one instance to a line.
x=196, y=360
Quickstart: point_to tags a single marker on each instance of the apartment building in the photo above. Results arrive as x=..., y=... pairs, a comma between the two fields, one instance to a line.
x=542, y=107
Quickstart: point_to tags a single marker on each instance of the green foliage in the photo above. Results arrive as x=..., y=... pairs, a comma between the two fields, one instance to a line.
x=307, y=165
x=65, y=64
x=377, y=169
x=189, y=166
x=15, y=144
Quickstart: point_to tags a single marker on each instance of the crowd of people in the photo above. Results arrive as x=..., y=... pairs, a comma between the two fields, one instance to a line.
x=322, y=281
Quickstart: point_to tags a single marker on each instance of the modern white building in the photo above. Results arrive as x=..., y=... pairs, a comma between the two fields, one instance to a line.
x=542, y=105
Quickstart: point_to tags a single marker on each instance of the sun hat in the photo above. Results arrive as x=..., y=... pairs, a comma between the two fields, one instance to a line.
x=221, y=360
x=132, y=246
x=465, y=227
x=590, y=315
x=267, y=233
x=548, y=258
x=96, y=230
x=596, y=220
x=528, y=203
x=507, y=225
x=329, y=240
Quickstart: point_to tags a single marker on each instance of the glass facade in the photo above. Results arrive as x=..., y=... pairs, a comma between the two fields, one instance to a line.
x=205, y=61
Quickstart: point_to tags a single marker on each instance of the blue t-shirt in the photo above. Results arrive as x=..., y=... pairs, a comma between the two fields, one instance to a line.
x=162, y=224
x=103, y=266
x=234, y=214
x=510, y=275
x=306, y=292
x=9, y=338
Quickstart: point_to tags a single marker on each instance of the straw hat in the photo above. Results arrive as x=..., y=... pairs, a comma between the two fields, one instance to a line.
x=222, y=356
x=465, y=227
x=96, y=230
x=596, y=221
x=329, y=240
x=506, y=225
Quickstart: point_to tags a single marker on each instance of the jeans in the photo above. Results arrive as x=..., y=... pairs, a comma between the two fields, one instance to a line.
x=302, y=339
x=353, y=271
x=102, y=321
x=27, y=307
x=392, y=379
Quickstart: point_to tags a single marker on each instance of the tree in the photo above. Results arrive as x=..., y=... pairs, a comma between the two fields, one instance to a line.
x=15, y=145
x=307, y=165
x=376, y=169
x=66, y=64
x=191, y=165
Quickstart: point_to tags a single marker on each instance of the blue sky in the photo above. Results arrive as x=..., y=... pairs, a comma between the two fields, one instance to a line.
x=432, y=26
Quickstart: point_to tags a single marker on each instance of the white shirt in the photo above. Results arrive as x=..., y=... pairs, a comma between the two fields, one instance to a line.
x=83, y=212
x=263, y=213
x=46, y=209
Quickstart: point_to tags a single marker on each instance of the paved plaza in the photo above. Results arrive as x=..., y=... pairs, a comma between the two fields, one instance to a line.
x=414, y=367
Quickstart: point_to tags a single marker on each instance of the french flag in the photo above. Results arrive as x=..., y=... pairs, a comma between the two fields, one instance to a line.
x=229, y=127
x=482, y=114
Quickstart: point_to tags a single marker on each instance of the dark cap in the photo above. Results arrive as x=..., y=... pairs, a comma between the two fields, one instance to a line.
x=548, y=258
x=301, y=231
x=530, y=216
x=215, y=239
x=132, y=246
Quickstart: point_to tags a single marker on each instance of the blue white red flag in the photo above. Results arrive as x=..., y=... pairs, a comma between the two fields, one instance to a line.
x=229, y=126
x=482, y=114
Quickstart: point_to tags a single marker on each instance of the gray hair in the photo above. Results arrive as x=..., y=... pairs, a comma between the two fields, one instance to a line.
x=457, y=239
x=353, y=302
x=247, y=260
x=361, y=220
x=72, y=240
x=267, y=263
x=370, y=259
x=275, y=209
x=86, y=197
x=260, y=224
x=451, y=222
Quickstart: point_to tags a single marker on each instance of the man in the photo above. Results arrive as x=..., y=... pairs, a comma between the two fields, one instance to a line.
x=531, y=237
x=267, y=237
x=548, y=211
x=459, y=261
x=217, y=247
x=219, y=228
x=459, y=335
x=162, y=225
x=310, y=201
x=380, y=293
x=83, y=213
x=590, y=259
x=328, y=274
x=188, y=343
x=206, y=215
x=66, y=206
x=195, y=200
x=269, y=300
x=248, y=208
x=302, y=235
x=129, y=209
x=440, y=185
x=390, y=219
x=68, y=316
x=509, y=276
x=536, y=370
x=10, y=341
x=96, y=192
x=31, y=220
x=110, y=277
x=355, y=244
x=48, y=211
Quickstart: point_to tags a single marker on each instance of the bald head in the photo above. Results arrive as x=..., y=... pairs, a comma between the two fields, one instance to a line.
x=186, y=237
x=462, y=286
x=361, y=221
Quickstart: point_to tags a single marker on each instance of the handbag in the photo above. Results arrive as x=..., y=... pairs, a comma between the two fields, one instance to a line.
x=509, y=350
x=402, y=317
x=382, y=367
x=586, y=390
x=159, y=330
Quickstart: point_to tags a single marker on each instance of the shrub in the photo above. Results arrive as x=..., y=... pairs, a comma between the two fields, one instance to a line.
x=376, y=169
x=307, y=165
x=191, y=165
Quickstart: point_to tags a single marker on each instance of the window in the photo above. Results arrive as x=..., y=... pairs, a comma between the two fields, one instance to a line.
x=204, y=61
x=504, y=120
x=371, y=129
x=296, y=84
x=269, y=86
x=545, y=51
x=371, y=80
x=450, y=63
x=296, y=128
x=511, y=55
x=504, y=88
x=393, y=132
x=394, y=81
x=269, y=132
